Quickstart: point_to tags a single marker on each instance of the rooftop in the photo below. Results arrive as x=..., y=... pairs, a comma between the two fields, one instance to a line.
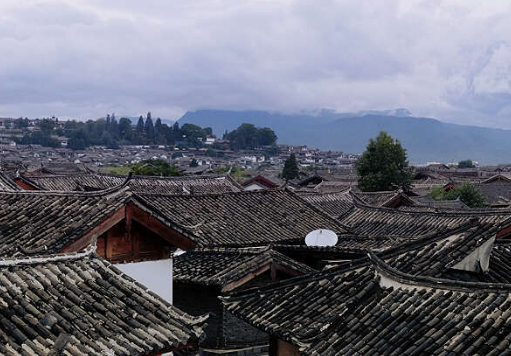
x=79, y=304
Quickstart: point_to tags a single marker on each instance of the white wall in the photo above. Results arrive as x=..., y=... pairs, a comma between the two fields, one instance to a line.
x=155, y=275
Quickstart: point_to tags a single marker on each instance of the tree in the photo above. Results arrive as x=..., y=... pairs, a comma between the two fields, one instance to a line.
x=466, y=192
x=125, y=129
x=139, y=131
x=194, y=134
x=154, y=167
x=47, y=126
x=290, y=170
x=383, y=165
x=194, y=163
x=149, y=129
x=249, y=136
x=78, y=140
x=245, y=136
x=266, y=136
x=466, y=164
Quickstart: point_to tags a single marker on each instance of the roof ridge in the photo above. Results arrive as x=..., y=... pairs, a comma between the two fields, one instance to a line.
x=17, y=261
x=318, y=210
x=404, y=280
x=444, y=211
x=243, y=192
x=111, y=190
x=252, y=250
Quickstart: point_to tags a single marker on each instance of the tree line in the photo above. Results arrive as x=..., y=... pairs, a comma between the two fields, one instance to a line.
x=112, y=133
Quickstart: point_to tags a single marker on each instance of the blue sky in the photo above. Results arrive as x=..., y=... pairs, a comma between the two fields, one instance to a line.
x=81, y=59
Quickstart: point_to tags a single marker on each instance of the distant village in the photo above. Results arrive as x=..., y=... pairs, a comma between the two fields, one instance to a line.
x=243, y=251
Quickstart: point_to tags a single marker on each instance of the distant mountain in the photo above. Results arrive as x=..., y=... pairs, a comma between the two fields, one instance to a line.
x=425, y=139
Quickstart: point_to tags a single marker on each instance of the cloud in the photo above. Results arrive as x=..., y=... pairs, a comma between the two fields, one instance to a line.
x=75, y=58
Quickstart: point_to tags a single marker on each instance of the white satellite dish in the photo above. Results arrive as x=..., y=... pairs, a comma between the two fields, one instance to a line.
x=178, y=252
x=321, y=237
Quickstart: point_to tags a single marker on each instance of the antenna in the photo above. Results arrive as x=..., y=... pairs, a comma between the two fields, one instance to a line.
x=321, y=237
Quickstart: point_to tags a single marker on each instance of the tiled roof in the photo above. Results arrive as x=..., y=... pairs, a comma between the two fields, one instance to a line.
x=220, y=266
x=145, y=184
x=79, y=304
x=60, y=168
x=6, y=183
x=376, y=198
x=425, y=203
x=435, y=256
x=335, y=204
x=33, y=222
x=73, y=182
x=500, y=264
x=355, y=311
x=242, y=219
x=497, y=193
x=334, y=186
x=415, y=317
x=370, y=221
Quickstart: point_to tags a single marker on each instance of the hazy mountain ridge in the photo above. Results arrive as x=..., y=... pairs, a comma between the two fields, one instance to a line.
x=425, y=139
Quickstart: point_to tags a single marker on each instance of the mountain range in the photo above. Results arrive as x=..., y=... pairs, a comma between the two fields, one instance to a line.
x=425, y=139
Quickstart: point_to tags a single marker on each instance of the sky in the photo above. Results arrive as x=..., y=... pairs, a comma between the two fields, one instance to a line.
x=81, y=59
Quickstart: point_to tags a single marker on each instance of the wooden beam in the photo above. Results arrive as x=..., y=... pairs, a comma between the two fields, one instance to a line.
x=129, y=217
x=233, y=285
x=167, y=233
x=286, y=270
x=503, y=233
x=23, y=185
x=97, y=231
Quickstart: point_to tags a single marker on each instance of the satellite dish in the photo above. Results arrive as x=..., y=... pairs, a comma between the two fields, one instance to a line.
x=178, y=252
x=321, y=237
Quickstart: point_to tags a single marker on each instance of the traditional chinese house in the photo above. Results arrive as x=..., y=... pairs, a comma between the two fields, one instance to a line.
x=80, y=304
x=202, y=275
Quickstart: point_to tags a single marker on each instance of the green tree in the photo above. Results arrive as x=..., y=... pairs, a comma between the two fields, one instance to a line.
x=78, y=140
x=290, y=170
x=266, y=136
x=194, y=134
x=160, y=131
x=154, y=167
x=149, y=129
x=139, y=131
x=21, y=123
x=245, y=136
x=125, y=129
x=383, y=165
x=249, y=136
x=466, y=192
x=113, y=128
x=47, y=126
x=467, y=163
x=208, y=130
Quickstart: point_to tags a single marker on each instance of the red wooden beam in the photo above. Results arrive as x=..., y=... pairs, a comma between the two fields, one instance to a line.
x=503, y=233
x=233, y=285
x=150, y=222
x=23, y=185
x=286, y=270
x=97, y=231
